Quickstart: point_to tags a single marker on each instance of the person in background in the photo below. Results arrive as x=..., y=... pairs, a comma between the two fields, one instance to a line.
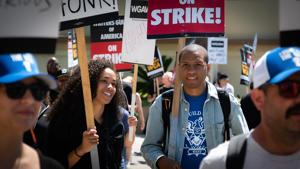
x=275, y=142
x=167, y=80
x=127, y=88
x=139, y=110
x=251, y=113
x=224, y=84
x=69, y=140
x=200, y=120
x=63, y=78
x=128, y=121
x=152, y=94
x=22, y=90
x=138, y=104
x=53, y=69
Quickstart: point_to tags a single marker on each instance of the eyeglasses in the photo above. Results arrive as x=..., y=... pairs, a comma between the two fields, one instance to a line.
x=18, y=89
x=289, y=89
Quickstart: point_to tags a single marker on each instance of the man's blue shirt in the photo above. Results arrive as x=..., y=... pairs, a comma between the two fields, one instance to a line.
x=195, y=148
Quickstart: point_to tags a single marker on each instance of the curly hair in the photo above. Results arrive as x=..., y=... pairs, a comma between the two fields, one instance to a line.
x=70, y=100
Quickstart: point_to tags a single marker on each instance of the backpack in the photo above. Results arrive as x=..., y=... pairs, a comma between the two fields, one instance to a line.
x=236, y=152
x=167, y=98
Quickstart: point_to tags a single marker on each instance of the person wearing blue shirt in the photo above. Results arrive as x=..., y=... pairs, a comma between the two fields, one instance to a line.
x=200, y=121
x=127, y=121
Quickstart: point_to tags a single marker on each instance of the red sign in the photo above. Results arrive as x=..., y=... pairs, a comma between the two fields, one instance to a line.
x=110, y=51
x=185, y=18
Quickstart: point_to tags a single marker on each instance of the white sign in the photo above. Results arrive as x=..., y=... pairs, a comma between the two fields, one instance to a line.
x=217, y=50
x=83, y=12
x=136, y=48
x=34, y=19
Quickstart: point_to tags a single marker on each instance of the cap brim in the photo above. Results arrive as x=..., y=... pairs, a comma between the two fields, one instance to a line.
x=283, y=75
x=47, y=79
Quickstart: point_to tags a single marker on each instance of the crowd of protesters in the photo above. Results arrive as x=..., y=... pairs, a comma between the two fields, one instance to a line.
x=50, y=116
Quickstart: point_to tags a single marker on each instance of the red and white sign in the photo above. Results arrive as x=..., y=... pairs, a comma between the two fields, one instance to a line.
x=185, y=18
x=110, y=51
x=106, y=42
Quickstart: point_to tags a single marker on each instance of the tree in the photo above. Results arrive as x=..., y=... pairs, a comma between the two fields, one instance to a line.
x=144, y=83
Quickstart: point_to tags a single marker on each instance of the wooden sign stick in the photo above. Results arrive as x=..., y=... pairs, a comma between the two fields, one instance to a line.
x=154, y=86
x=175, y=104
x=177, y=81
x=86, y=89
x=157, y=86
x=133, y=99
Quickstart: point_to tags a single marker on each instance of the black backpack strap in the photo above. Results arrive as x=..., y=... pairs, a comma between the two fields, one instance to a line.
x=236, y=152
x=166, y=103
x=44, y=109
x=225, y=105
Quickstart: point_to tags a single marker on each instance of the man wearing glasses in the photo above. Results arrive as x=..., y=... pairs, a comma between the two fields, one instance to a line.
x=22, y=90
x=275, y=142
x=200, y=122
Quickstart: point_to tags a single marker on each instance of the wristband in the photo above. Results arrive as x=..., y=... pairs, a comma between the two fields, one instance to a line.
x=75, y=152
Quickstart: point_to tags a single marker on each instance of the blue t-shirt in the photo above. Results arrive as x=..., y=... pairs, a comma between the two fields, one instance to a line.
x=195, y=148
x=125, y=114
x=124, y=119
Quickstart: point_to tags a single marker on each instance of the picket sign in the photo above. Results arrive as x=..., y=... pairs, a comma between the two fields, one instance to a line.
x=136, y=48
x=86, y=89
x=175, y=105
x=133, y=99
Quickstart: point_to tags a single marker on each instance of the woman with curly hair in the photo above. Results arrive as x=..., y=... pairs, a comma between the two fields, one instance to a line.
x=69, y=140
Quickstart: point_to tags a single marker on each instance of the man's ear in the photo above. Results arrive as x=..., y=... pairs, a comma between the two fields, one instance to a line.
x=258, y=97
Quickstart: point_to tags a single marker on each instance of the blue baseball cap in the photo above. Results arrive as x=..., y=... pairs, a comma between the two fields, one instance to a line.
x=276, y=65
x=15, y=67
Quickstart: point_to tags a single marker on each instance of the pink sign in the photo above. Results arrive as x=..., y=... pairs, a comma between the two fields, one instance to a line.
x=185, y=18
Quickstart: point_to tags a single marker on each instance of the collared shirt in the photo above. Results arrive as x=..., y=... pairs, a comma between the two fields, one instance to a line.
x=213, y=122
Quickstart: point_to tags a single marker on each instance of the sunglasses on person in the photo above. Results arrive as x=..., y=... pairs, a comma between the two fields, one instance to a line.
x=287, y=89
x=17, y=90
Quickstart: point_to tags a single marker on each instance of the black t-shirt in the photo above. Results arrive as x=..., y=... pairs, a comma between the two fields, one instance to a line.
x=49, y=163
x=163, y=89
x=128, y=91
x=251, y=113
x=65, y=134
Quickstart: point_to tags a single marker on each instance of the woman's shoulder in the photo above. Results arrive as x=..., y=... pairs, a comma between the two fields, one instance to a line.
x=123, y=112
x=33, y=159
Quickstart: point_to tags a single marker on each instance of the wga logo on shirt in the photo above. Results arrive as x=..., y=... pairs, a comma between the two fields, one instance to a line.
x=195, y=135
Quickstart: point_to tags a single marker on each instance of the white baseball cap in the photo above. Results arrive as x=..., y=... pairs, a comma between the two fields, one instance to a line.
x=276, y=65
